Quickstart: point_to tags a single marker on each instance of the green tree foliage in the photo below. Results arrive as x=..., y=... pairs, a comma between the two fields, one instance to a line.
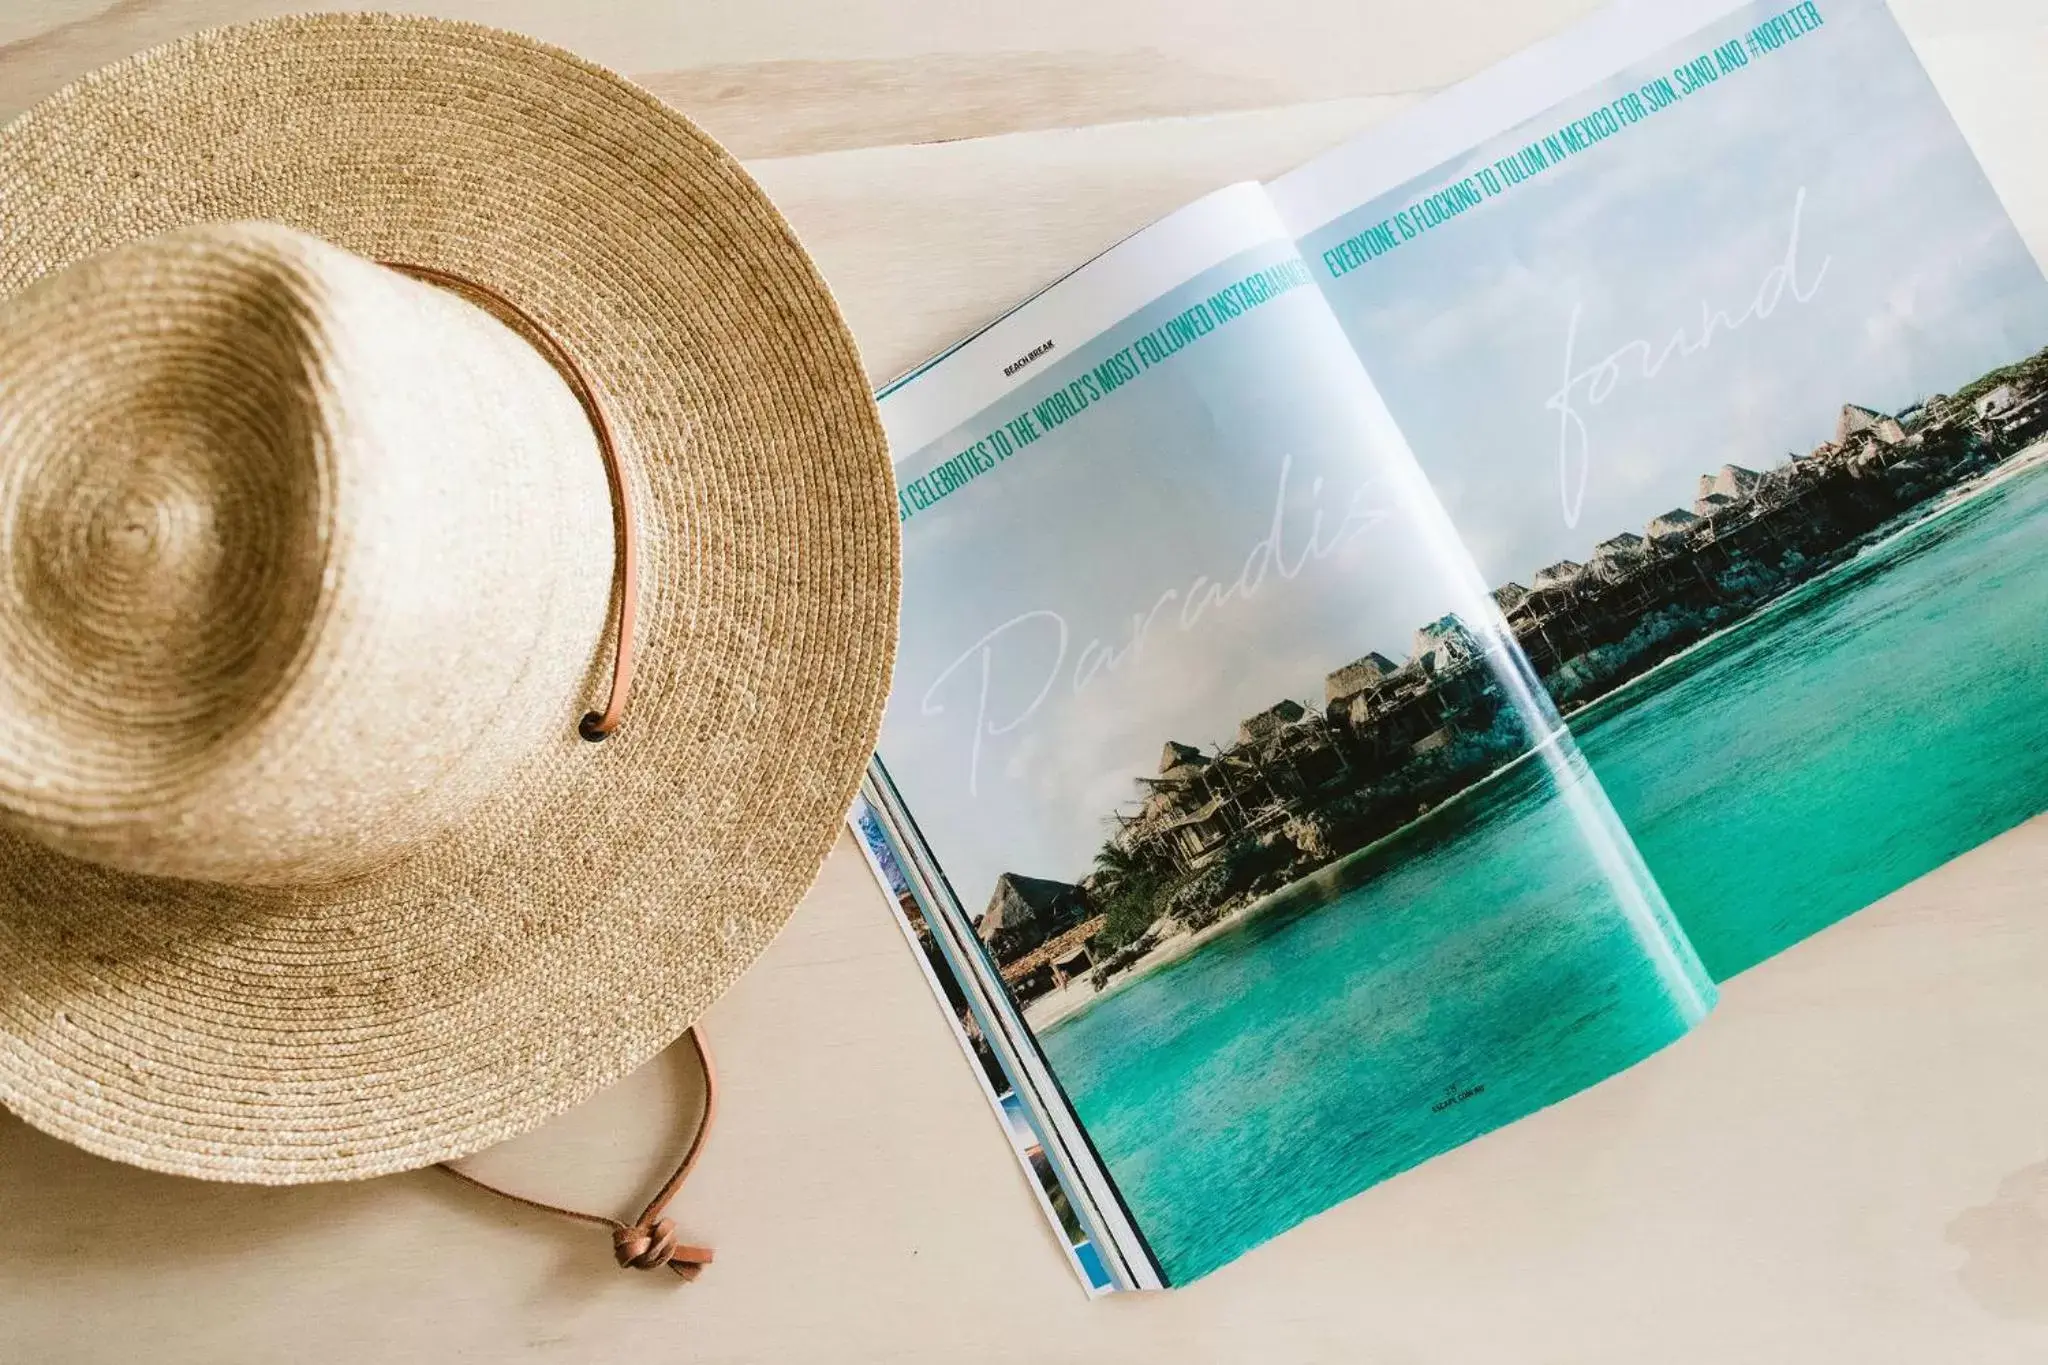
x=1127, y=890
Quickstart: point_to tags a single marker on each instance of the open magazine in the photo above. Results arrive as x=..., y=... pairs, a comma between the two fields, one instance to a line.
x=1379, y=646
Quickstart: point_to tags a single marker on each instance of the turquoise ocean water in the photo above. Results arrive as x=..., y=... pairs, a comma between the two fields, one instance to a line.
x=1863, y=731
x=1868, y=728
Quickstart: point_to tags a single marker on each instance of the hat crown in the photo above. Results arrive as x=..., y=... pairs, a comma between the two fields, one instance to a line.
x=299, y=558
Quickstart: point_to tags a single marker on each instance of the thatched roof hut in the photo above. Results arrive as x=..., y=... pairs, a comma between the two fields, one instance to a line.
x=1360, y=675
x=1730, y=481
x=1179, y=763
x=1444, y=644
x=1021, y=905
x=1857, y=420
x=1269, y=722
x=1672, y=525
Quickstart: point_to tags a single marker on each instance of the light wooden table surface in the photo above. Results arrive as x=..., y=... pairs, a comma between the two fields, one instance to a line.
x=1848, y=1163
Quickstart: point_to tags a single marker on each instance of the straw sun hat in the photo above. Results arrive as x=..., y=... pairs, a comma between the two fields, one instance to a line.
x=378, y=396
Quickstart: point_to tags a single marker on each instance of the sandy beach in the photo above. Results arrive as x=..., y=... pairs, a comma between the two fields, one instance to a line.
x=1077, y=995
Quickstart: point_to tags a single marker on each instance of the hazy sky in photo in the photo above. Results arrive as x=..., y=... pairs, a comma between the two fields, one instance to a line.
x=1908, y=280
x=1120, y=524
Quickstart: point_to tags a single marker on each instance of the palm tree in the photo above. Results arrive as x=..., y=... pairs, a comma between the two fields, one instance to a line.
x=1116, y=867
x=1125, y=887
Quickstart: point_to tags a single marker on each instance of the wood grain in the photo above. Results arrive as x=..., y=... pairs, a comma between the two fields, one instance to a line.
x=777, y=80
x=1850, y=1162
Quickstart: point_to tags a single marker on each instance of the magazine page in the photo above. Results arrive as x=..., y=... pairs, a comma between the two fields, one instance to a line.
x=1060, y=1193
x=1726, y=362
x=1219, y=757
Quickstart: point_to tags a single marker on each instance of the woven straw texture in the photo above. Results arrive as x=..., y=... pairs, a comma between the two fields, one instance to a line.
x=324, y=981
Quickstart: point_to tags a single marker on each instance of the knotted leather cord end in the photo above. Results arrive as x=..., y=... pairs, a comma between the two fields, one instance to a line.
x=649, y=1242
x=652, y=1246
x=596, y=726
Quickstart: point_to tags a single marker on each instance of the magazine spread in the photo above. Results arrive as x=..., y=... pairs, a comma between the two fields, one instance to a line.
x=1378, y=646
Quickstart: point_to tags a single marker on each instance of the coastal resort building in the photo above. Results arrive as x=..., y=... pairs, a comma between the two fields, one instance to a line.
x=1380, y=708
x=1053, y=963
x=1912, y=419
x=1995, y=404
x=1784, y=484
x=1445, y=646
x=1858, y=421
x=1617, y=556
x=1671, y=528
x=2004, y=414
x=1360, y=675
x=1551, y=620
x=1025, y=911
x=1285, y=756
x=1291, y=758
x=1383, y=717
x=1868, y=440
x=1270, y=722
x=1729, y=486
x=1187, y=814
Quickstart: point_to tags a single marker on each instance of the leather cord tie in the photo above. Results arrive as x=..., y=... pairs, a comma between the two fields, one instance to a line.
x=648, y=1248
x=596, y=725
x=649, y=1241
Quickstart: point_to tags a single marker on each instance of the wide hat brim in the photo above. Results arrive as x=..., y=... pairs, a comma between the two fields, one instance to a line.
x=591, y=911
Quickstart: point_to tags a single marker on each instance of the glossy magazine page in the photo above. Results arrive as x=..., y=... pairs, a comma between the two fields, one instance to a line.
x=1728, y=369
x=1221, y=765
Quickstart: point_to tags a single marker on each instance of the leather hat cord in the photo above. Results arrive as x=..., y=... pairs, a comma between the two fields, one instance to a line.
x=597, y=725
x=649, y=1241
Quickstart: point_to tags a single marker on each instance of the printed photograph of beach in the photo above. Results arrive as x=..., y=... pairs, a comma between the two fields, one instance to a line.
x=1238, y=780
x=1759, y=480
